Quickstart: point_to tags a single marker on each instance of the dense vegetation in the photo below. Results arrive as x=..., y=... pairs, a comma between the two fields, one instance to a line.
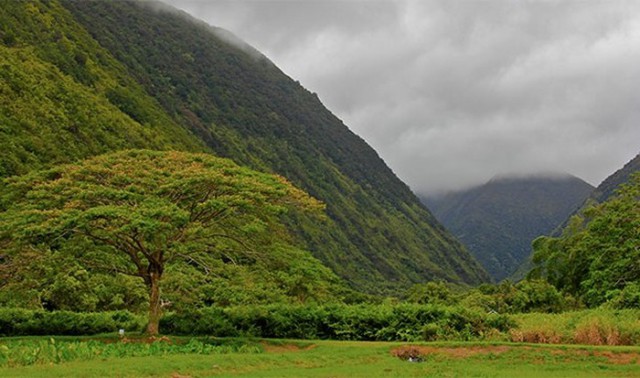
x=597, y=258
x=63, y=98
x=603, y=192
x=118, y=75
x=243, y=253
x=138, y=212
x=498, y=221
x=378, y=236
x=403, y=322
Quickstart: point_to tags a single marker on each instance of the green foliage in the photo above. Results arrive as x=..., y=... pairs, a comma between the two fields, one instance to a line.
x=503, y=298
x=79, y=79
x=27, y=352
x=498, y=221
x=379, y=237
x=53, y=280
x=340, y=322
x=136, y=212
x=20, y=322
x=597, y=256
x=525, y=296
x=430, y=293
x=54, y=95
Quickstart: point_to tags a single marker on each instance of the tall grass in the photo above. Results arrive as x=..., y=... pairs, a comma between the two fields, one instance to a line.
x=589, y=327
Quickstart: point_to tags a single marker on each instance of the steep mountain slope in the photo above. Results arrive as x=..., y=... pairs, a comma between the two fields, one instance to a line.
x=498, y=220
x=595, y=258
x=142, y=77
x=62, y=97
x=602, y=193
x=608, y=187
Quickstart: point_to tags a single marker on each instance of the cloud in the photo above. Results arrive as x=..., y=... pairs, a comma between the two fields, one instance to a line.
x=451, y=92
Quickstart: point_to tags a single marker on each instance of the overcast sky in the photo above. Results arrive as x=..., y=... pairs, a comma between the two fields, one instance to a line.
x=451, y=93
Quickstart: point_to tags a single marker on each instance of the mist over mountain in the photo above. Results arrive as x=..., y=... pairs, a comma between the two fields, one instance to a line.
x=498, y=221
x=83, y=78
x=600, y=194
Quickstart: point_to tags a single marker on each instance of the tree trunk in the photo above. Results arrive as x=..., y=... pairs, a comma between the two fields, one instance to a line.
x=154, y=304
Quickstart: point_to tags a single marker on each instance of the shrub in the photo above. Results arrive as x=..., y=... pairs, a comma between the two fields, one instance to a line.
x=17, y=322
x=405, y=322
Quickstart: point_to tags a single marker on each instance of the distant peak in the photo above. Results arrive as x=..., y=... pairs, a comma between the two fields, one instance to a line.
x=548, y=175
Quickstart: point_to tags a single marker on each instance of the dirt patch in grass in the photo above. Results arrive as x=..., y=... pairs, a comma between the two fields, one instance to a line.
x=178, y=375
x=286, y=348
x=414, y=351
x=620, y=358
x=133, y=340
x=147, y=340
x=418, y=352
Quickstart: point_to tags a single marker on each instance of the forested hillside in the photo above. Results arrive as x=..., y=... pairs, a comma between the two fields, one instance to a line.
x=62, y=97
x=246, y=109
x=498, y=221
x=84, y=78
x=602, y=193
x=596, y=258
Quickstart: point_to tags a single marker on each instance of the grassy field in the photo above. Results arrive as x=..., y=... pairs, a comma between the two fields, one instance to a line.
x=341, y=359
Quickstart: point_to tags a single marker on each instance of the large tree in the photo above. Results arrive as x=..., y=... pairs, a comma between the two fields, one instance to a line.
x=136, y=211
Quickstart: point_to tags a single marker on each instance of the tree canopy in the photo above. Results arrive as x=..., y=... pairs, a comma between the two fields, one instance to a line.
x=133, y=212
x=597, y=258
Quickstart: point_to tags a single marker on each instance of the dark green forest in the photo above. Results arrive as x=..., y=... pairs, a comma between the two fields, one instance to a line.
x=498, y=221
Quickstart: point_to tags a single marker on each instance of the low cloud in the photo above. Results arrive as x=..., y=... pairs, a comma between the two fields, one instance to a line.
x=451, y=93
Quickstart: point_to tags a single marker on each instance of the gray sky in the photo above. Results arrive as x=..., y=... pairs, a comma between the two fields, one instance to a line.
x=451, y=93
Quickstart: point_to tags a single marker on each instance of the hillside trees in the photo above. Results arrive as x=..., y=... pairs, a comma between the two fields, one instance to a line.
x=134, y=212
x=64, y=98
x=378, y=237
x=597, y=258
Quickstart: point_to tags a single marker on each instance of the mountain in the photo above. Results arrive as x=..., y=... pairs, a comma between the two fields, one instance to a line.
x=63, y=98
x=81, y=78
x=602, y=193
x=595, y=257
x=608, y=187
x=498, y=221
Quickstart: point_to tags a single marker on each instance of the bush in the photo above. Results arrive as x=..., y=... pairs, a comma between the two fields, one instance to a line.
x=405, y=322
x=18, y=322
x=205, y=321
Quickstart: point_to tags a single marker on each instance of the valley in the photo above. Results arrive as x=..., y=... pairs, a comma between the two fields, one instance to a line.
x=167, y=191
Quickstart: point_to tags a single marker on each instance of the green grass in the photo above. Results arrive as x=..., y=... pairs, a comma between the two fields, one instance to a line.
x=359, y=359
